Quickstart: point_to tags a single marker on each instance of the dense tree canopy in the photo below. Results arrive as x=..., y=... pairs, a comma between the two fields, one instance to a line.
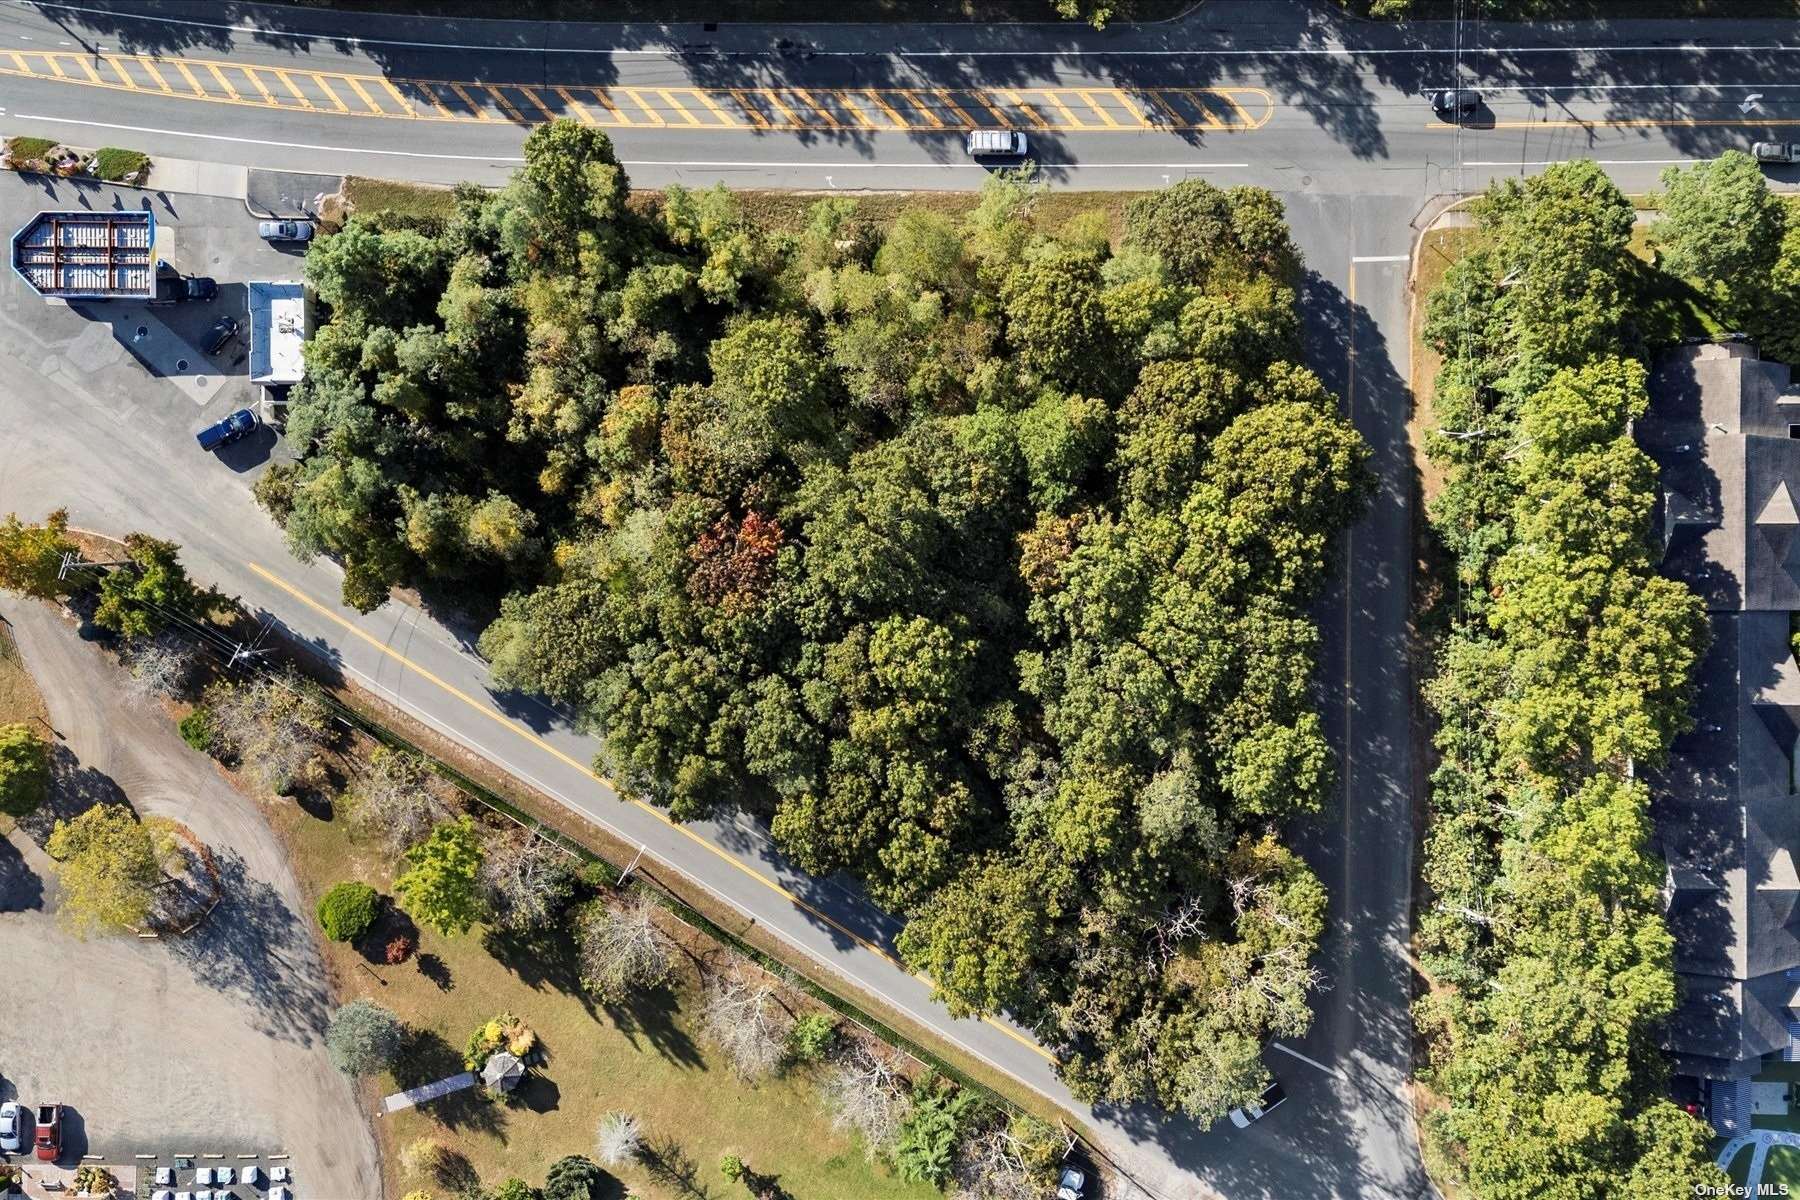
x=976, y=560
x=1569, y=663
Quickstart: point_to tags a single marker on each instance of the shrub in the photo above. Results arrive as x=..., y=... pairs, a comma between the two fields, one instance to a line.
x=363, y=1037
x=619, y=1139
x=94, y=1179
x=424, y=1158
x=574, y=1178
x=347, y=910
x=28, y=149
x=812, y=1038
x=514, y=1189
x=502, y=1032
x=24, y=770
x=197, y=729
x=731, y=1167
x=114, y=164
x=398, y=950
x=926, y=1144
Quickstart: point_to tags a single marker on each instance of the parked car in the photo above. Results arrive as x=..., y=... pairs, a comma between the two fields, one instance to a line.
x=285, y=231
x=15, y=1127
x=49, y=1132
x=1776, y=152
x=198, y=287
x=1453, y=104
x=996, y=143
x=219, y=337
x=1272, y=1097
x=222, y=433
x=1072, y=1185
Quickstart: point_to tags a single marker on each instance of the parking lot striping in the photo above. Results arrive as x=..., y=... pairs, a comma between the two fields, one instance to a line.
x=1311, y=1062
x=337, y=93
x=1380, y=258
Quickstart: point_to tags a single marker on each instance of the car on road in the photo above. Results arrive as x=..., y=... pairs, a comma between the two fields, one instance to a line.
x=1453, y=104
x=1776, y=152
x=49, y=1132
x=1072, y=1185
x=285, y=231
x=15, y=1126
x=996, y=143
x=219, y=337
x=1272, y=1097
x=238, y=425
x=198, y=287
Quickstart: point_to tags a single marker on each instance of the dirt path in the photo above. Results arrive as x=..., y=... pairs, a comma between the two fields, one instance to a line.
x=209, y=1043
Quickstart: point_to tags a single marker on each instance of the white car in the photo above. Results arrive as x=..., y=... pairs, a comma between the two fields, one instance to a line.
x=15, y=1127
x=1272, y=1098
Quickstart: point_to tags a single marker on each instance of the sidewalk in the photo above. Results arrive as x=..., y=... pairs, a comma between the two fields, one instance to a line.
x=187, y=177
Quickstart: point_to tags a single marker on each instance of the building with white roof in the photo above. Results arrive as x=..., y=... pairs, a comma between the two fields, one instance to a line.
x=278, y=331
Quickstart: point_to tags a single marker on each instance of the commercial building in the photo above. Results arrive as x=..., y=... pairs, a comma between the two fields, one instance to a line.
x=87, y=256
x=278, y=332
x=1724, y=426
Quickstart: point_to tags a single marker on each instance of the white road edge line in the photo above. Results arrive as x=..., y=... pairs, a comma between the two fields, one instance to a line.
x=1599, y=162
x=220, y=137
x=1311, y=1062
x=677, y=52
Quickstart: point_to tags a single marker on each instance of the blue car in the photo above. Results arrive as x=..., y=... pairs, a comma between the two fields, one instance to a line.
x=229, y=430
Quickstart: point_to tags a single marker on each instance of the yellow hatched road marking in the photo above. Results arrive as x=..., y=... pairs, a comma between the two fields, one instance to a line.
x=1169, y=110
x=357, y=87
x=944, y=95
x=120, y=69
x=1131, y=106
x=223, y=82
x=717, y=111
x=89, y=68
x=189, y=76
x=742, y=96
x=480, y=113
x=1087, y=97
x=792, y=116
x=294, y=88
x=532, y=96
x=672, y=102
x=588, y=771
x=149, y=66
x=507, y=105
x=268, y=96
x=605, y=101
x=1068, y=115
x=997, y=113
x=19, y=62
x=575, y=106
x=918, y=103
x=899, y=121
x=55, y=67
x=431, y=94
x=830, y=117
x=655, y=117
x=862, y=118
x=330, y=95
x=1014, y=99
x=1244, y=116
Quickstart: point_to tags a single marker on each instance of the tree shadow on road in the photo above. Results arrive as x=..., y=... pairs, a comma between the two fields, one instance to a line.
x=74, y=788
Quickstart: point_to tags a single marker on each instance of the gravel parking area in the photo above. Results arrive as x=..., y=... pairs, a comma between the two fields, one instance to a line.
x=209, y=1044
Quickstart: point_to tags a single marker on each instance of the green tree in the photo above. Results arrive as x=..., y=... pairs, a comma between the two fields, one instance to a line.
x=31, y=556
x=1722, y=228
x=574, y=1177
x=363, y=1038
x=24, y=770
x=141, y=597
x=347, y=909
x=106, y=864
x=440, y=884
x=925, y=1148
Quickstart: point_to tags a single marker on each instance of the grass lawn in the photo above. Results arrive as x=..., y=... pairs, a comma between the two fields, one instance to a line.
x=20, y=702
x=647, y=1058
x=1783, y=1167
x=1739, y=1167
x=413, y=199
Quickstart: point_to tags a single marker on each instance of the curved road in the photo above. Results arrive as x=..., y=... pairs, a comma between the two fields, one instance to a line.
x=1324, y=111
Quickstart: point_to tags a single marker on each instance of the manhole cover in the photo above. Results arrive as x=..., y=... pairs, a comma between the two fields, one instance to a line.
x=181, y=364
x=143, y=331
x=200, y=381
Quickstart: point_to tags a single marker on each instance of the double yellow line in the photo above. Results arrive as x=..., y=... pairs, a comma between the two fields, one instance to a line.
x=516, y=728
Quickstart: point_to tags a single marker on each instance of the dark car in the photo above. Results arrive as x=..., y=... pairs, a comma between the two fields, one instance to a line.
x=225, y=432
x=1455, y=103
x=49, y=1132
x=198, y=287
x=223, y=330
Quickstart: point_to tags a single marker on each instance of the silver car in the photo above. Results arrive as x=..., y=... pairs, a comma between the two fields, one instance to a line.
x=285, y=231
x=15, y=1127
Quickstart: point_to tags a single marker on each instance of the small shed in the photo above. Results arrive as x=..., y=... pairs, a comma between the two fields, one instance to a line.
x=502, y=1072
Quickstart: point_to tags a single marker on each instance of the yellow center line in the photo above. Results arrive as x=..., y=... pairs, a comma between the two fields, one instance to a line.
x=462, y=93
x=149, y=66
x=511, y=111
x=575, y=106
x=793, y=117
x=189, y=76
x=1088, y=99
x=120, y=69
x=750, y=110
x=293, y=88
x=672, y=102
x=223, y=82
x=588, y=771
x=325, y=86
x=363, y=95
x=638, y=100
x=899, y=121
x=718, y=112
x=862, y=118
x=532, y=96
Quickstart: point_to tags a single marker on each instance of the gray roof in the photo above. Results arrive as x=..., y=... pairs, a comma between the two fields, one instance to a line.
x=1726, y=814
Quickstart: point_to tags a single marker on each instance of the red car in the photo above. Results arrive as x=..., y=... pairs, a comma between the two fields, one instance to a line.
x=49, y=1132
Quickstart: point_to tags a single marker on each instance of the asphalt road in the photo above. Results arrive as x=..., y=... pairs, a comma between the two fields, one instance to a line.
x=1327, y=113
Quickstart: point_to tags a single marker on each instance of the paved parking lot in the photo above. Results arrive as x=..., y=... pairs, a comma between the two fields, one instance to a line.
x=143, y=365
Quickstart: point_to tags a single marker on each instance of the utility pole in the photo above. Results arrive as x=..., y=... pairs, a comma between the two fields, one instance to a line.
x=626, y=873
